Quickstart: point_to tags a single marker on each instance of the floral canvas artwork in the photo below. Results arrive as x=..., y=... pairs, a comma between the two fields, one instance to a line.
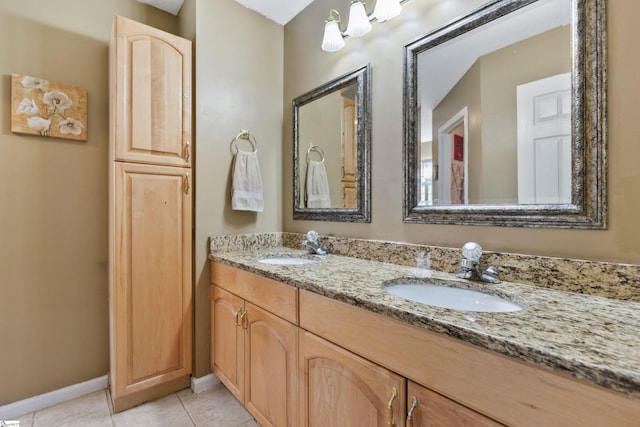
x=41, y=107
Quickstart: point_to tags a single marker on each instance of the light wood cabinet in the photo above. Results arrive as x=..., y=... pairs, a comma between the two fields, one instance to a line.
x=434, y=410
x=151, y=112
x=271, y=368
x=501, y=388
x=151, y=275
x=150, y=214
x=254, y=350
x=227, y=341
x=342, y=389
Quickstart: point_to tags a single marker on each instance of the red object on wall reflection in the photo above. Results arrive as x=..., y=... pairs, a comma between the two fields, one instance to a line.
x=458, y=148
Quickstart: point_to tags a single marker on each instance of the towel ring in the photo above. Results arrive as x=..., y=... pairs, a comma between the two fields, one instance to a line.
x=317, y=150
x=246, y=135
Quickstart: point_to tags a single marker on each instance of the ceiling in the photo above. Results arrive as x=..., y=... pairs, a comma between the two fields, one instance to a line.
x=280, y=11
x=443, y=68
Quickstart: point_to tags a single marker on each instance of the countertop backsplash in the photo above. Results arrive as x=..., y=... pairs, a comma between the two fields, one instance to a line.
x=605, y=279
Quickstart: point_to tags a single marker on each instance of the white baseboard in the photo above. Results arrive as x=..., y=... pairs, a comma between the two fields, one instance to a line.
x=203, y=383
x=17, y=409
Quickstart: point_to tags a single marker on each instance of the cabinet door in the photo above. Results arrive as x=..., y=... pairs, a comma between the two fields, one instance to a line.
x=150, y=95
x=271, y=368
x=435, y=410
x=341, y=389
x=227, y=341
x=151, y=314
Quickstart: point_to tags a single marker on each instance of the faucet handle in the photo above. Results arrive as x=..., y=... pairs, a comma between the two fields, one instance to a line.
x=491, y=275
x=472, y=251
x=312, y=236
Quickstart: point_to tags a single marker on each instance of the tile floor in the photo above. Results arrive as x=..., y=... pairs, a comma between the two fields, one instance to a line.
x=212, y=408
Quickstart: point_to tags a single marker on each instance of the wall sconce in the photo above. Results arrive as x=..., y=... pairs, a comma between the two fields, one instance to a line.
x=333, y=39
x=359, y=22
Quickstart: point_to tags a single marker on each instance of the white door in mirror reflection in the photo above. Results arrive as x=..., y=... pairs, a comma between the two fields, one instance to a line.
x=544, y=141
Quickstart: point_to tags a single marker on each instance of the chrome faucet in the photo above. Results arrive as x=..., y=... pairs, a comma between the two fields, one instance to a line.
x=470, y=267
x=312, y=244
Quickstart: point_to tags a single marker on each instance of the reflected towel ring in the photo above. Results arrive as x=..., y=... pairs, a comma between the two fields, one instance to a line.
x=246, y=135
x=317, y=150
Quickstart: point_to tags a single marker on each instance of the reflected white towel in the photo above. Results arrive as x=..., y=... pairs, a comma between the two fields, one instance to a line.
x=246, y=185
x=317, y=186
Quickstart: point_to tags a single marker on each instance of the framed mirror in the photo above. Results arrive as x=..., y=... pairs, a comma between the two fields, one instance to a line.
x=331, y=150
x=505, y=117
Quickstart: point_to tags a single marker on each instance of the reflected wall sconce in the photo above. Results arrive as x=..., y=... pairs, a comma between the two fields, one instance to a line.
x=359, y=22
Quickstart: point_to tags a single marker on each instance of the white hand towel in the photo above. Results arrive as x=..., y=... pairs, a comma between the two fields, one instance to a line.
x=317, y=186
x=246, y=185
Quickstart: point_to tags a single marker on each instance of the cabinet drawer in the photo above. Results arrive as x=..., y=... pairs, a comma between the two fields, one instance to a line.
x=433, y=409
x=505, y=389
x=278, y=298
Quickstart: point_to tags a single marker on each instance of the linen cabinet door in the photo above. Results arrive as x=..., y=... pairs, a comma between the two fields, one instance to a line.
x=227, y=341
x=342, y=389
x=434, y=410
x=151, y=318
x=151, y=94
x=271, y=368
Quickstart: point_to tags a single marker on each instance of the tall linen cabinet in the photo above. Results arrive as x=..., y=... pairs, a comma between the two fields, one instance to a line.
x=150, y=213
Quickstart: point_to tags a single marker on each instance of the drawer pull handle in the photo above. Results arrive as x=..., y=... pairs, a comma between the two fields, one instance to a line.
x=394, y=394
x=414, y=405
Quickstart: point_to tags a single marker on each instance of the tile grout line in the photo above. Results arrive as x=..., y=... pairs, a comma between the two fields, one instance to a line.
x=186, y=410
x=110, y=406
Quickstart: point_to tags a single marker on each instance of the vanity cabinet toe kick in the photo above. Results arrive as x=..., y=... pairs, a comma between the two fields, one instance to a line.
x=454, y=383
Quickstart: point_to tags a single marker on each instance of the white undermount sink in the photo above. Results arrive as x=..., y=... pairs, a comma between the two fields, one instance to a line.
x=452, y=298
x=287, y=260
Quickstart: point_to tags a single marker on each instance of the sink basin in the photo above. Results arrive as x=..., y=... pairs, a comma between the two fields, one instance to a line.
x=287, y=260
x=453, y=298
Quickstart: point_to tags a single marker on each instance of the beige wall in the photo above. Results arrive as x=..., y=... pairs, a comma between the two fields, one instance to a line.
x=239, y=61
x=307, y=66
x=53, y=193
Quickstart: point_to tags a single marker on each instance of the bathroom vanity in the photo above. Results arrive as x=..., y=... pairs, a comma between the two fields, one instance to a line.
x=325, y=343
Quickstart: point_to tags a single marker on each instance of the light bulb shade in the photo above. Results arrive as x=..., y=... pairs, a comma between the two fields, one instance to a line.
x=332, y=40
x=386, y=9
x=359, y=24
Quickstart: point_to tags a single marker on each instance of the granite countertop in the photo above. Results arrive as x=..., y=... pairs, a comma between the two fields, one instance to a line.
x=588, y=337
